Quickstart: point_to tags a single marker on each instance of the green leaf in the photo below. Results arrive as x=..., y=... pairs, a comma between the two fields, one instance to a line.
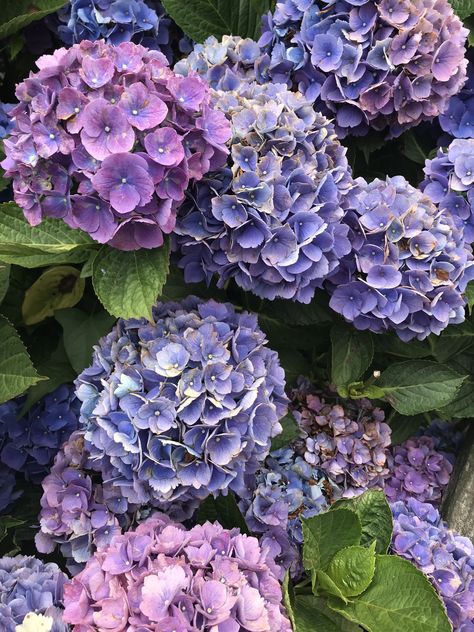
x=352, y=353
x=391, y=344
x=87, y=268
x=400, y=597
x=34, y=258
x=405, y=427
x=224, y=509
x=4, y=279
x=312, y=615
x=417, y=386
x=324, y=586
x=462, y=407
x=7, y=523
x=128, y=284
x=81, y=332
x=290, y=313
x=289, y=433
x=17, y=372
x=463, y=8
x=469, y=296
x=327, y=533
x=17, y=14
x=201, y=18
x=374, y=515
x=357, y=390
x=412, y=149
x=452, y=341
x=57, y=288
x=288, y=598
x=352, y=569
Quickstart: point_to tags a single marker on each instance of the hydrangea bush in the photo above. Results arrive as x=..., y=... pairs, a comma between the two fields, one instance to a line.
x=162, y=576
x=108, y=139
x=29, y=586
x=410, y=264
x=272, y=219
x=421, y=536
x=383, y=64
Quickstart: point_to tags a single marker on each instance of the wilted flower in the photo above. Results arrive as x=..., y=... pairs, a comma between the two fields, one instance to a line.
x=348, y=442
x=447, y=558
x=418, y=470
x=165, y=578
x=458, y=119
x=449, y=182
x=117, y=21
x=286, y=489
x=410, y=263
x=373, y=64
x=86, y=143
x=29, y=444
x=28, y=585
x=272, y=219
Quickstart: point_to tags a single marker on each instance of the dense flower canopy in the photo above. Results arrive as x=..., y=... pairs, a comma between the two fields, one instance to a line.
x=182, y=407
x=162, y=577
x=116, y=21
x=272, y=220
x=29, y=444
x=29, y=585
x=449, y=182
x=447, y=558
x=372, y=63
x=108, y=139
x=410, y=263
x=418, y=470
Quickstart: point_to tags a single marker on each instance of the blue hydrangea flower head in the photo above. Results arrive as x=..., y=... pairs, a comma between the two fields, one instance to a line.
x=29, y=585
x=6, y=121
x=447, y=558
x=458, y=119
x=410, y=264
x=375, y=63
x=272, y=220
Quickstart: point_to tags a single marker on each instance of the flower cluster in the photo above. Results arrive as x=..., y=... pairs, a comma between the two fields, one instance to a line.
x=28, y=585
x=77, y=512
x=458, y=119
x=181, y=407
x=447, y=437
x=372, y=63
x=449, y=182
x=447, y=558
x=6, y=123
x=115, y=22
x=272, y=220
x=108, y=139
x=226, y=63
x=286, y=489
x=29, y=444
x=409, y=266
x=347, y=443
x=162, y=577
x=418, y=470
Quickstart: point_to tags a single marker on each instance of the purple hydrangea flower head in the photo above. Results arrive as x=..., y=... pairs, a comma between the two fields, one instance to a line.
x=418, y=470
x=117, y=21
x=272, y=219
x=108, y=139
x=29, y=585
x=163, y=577
x=29, y=444
x=410, y=264
x=172, y=411
x=449, y=182
x=458, y=119
x=448, y=439
x=375, y=63
x=286, y=489
x=347, y=443
x=6, y=123
x=447, y=558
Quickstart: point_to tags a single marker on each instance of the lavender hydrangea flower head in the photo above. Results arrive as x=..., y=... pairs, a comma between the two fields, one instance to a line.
x=373, y=63
x=117, y=21
x=418, y=470
x=347, y=443
x=447, y=558
x=28, y=585
x=163, y=577
x=272, y=219
x=449, y=182
x=458, y=119
x=108, y=139
x=177, y=409
x=30, y=443
x=286, y=489
x=410, y=264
